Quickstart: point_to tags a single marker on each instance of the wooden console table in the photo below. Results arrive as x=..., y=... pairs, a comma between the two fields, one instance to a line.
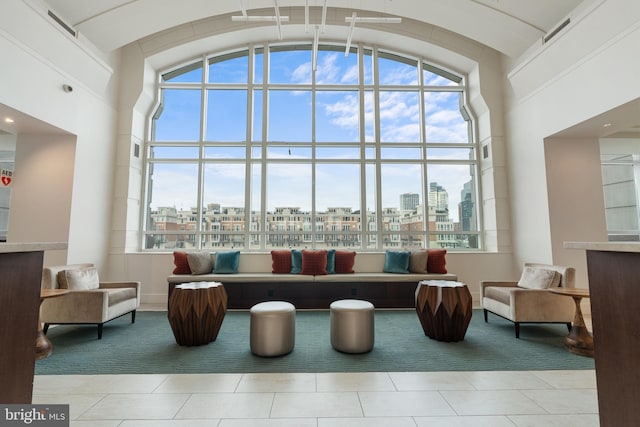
x=579, y=341
x=614, y=286
x=20, y=281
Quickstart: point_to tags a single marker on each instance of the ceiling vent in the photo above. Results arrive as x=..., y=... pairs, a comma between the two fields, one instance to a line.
x=553, y=33
x=63, y=24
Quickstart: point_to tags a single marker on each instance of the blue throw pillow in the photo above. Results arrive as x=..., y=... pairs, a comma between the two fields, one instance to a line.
x=331, y=261
x=296, y=261
x=227, y=262
x=397, y=262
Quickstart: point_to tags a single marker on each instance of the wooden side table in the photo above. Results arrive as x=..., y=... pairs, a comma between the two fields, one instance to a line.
x=579, y=341
x=444, y=308
x=44, y=347
x=196, y=311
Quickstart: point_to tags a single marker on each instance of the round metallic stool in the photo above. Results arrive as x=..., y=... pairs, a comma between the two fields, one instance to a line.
x=272, y=328
x=352, y=325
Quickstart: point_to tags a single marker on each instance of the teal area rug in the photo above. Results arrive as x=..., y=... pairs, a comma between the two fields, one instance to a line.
x=148, y=347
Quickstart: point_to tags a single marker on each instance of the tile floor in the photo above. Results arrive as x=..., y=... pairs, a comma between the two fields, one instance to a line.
x=496, y=399
x=385, y=399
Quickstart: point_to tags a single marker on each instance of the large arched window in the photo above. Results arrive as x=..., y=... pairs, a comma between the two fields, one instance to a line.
x=270, y=146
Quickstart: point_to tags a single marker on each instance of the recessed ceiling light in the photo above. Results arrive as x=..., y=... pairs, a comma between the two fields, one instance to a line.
x=606, y=125
x=8, y=120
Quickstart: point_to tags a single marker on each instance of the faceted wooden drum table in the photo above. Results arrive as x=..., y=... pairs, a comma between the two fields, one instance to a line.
x=444, y=309
x=196, y=311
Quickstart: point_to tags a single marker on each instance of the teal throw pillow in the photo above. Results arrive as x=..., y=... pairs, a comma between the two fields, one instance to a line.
x=331, y=261
x=397, y=262
x=227, y=262
x=296, y=261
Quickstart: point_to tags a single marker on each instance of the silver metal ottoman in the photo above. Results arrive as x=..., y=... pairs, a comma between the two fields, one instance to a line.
x=352, y=325
x=272, y=328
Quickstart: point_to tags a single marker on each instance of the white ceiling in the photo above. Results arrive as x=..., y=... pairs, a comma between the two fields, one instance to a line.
x=509, y=26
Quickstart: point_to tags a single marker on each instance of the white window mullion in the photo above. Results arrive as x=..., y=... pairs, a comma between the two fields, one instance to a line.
x=376, y=106
x=263, y=161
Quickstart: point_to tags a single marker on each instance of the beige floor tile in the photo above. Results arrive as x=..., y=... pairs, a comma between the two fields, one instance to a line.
x=491, y=402
x=465, y=421
x=367, y=422
x=303, y=405
x=589, y=420
x=199, y=383
x=214, y=422
x=568, y=379
x=580, y=401
x=354, y=381
x=414, y=381
x=272, y=422
x=284, y=382
x=78, y=384
x=404, y=403
x=96, y=423
x=78, y=403
x=227, y=405
x=136, y=406
x=505, y=380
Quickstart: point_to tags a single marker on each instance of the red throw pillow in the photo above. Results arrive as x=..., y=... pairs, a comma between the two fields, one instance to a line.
x=436, y=261
x=314, y=262
x=345, y=261
x=281, y=262
x=181, y=263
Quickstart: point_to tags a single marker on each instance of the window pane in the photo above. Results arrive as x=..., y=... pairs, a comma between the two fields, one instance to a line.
x=225, y=152
x=337, y=116
x=338, y=187
x=174, y=152
x=444, y=121
x=189, y=74
x=256, y=205
x=334, y=68
x=452, y=204
x=227, y=115
x=399, y=116
x=224, y=185
x=367, y=59
x=288, y=152
x=289, y=65
x=433, y=76
x=395, y=70
x=413, y=153
x=257, y=116
x=451, y=153
x=178, y=118
x=369, y=117
x=231, y=68
x=289, y=116
x=288, y=186
x=258, y=66
x=337, y=153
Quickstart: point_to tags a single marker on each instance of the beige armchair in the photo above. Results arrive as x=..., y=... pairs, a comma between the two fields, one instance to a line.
x=529, y=299
x=88, y=300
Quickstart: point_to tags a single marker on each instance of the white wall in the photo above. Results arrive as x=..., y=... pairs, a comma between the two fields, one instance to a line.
x=589, y=69
x=42, y=188
x=37, y=59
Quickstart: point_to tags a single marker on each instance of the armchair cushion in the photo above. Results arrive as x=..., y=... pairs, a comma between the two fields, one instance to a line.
x=538, y=278
x=80, y=279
